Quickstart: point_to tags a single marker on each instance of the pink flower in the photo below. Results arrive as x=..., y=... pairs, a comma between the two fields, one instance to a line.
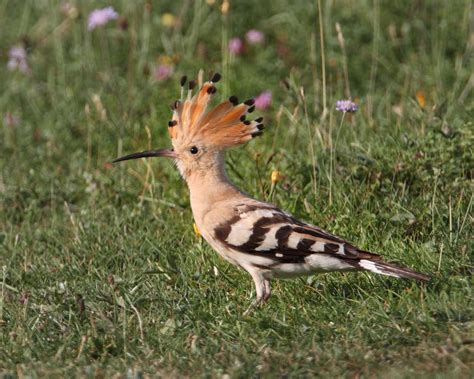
x=254, y=37
x=11, y=120
x=99, y=17
x=236, y=46
x=163, y=72
x=17, y=60
x=264, y=100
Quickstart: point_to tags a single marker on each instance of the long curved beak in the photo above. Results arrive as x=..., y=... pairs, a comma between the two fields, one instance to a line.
x=169, y=153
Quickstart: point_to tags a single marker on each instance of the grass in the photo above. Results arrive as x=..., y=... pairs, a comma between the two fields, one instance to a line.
x=101, y=272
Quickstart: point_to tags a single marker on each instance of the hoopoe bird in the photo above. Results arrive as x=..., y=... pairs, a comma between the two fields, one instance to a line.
x=254, y=235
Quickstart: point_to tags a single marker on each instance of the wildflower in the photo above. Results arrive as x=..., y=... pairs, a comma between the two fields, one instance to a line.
x=168, y=20
x=17, y=60
x=264, y=100
x=225, y=7
x=346, y=106
x=11, y=120
x=420, y=98
x=99, y=17
x=196, y=230
x=236, y=46
x=254, y=37
x=276, y=176
x=166, y=59
x=162, y=72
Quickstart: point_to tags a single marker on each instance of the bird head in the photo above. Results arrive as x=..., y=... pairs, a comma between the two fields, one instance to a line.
x=199, y=137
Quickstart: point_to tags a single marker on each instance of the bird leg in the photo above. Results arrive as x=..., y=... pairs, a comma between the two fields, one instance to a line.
x=261, y=287
x=268, y=291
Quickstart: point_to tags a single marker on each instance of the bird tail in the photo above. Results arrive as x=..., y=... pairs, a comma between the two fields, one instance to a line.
x=391, y=269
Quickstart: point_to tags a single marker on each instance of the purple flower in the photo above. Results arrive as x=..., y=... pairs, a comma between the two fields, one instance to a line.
x=17, y=60
x=236, y=46
x=264, y=100
x=346, y=106
x=163, y=72
x=99, y=17
x=254, y=37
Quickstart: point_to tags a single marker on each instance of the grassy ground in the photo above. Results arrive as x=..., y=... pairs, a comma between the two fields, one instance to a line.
x=101, y=272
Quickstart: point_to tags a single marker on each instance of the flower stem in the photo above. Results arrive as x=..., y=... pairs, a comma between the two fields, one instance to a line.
x=333, y=158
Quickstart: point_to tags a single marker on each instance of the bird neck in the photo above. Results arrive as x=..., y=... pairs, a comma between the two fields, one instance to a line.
x=209, y=187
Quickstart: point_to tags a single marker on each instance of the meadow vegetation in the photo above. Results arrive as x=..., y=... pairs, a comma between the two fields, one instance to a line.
x=101, y=272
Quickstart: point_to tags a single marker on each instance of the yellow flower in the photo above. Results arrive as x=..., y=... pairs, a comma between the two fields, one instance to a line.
x=420, y=98
x=225, y=7
x=168, y=59
x=276, y=176
x=196, y=230
x=168, y=20
x=165, y=59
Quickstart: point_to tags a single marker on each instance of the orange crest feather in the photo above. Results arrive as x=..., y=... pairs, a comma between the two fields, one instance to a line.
x=223, y=126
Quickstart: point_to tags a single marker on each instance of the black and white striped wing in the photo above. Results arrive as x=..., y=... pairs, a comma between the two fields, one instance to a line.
x=269, y=232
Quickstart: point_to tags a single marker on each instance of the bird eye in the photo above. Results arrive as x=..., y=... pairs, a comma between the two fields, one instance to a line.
x=194, y=150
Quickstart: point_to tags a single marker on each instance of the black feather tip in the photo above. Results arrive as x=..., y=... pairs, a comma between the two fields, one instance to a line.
x=234, y=100
x=216, y=77
x=249, y=102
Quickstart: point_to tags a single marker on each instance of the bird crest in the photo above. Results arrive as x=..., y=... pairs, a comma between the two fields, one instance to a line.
x=221, y=127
